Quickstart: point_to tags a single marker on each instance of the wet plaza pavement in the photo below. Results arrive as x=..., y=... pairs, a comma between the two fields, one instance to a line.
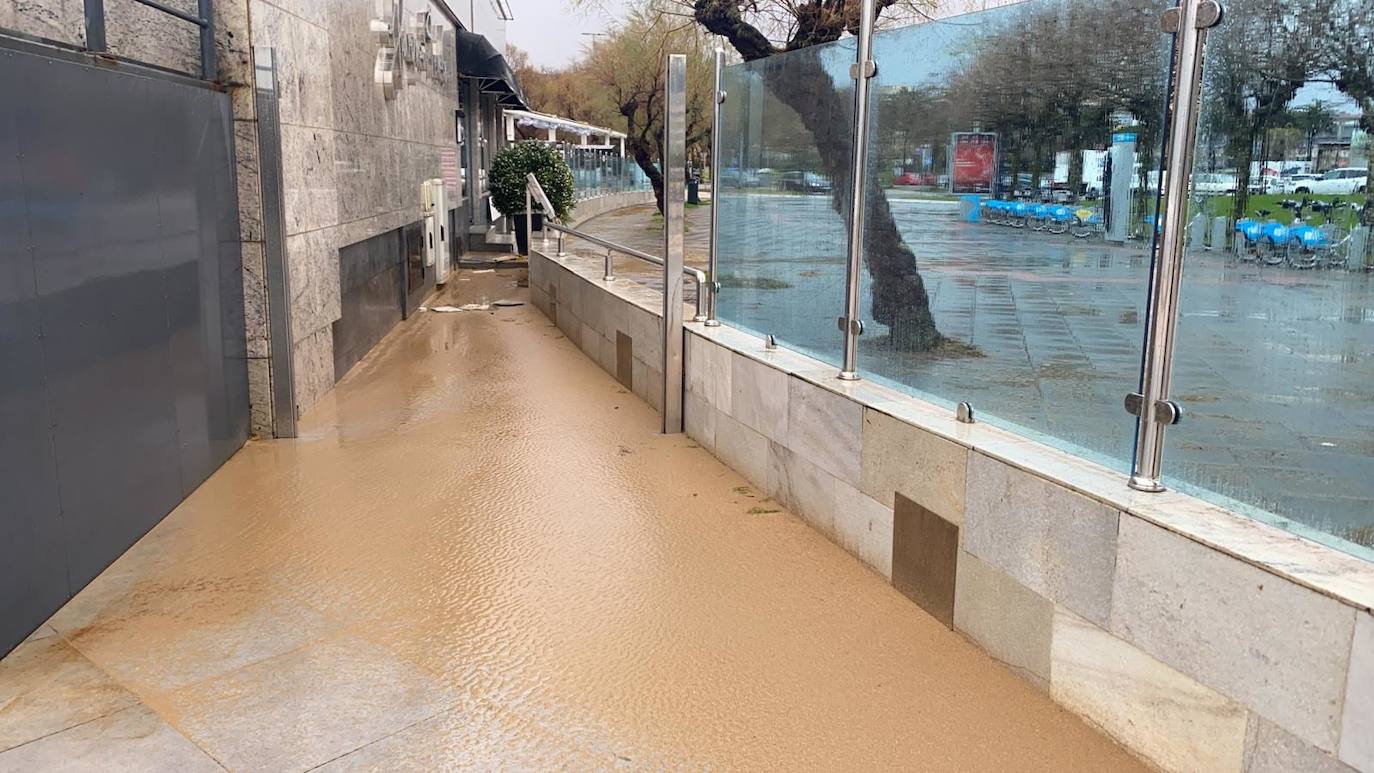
x=479, y=554
x=1274, y=366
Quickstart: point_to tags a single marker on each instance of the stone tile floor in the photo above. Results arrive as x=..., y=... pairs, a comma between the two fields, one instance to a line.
x=479, y=554
x=1274, y=366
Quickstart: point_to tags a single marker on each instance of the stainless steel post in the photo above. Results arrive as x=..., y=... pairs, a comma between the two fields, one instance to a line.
x=711, y=275
x=208, y=71
x=276, y=268
x=529, y=221
x=1188, y=22
x=95, y=25
x=862, y=71
x=674, y=202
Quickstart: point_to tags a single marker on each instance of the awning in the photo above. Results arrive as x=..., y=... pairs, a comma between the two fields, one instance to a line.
x=477, y=58
x=545, y=121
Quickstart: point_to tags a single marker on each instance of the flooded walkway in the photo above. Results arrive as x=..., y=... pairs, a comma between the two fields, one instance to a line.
x=480, y=554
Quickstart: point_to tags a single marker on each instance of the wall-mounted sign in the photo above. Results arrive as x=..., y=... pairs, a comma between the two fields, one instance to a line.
x=409, y=47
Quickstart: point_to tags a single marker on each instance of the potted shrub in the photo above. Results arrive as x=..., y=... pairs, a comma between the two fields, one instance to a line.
x=508, y=170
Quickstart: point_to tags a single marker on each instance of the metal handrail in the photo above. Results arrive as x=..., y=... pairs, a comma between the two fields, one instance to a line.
x=204, y=18
x=533, y=190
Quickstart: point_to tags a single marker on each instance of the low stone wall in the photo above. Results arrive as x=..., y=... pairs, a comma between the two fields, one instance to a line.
x=1200, y=639
x=590, y=208
x=622, y=331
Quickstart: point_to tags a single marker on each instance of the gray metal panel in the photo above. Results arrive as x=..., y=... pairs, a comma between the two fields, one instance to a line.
x=33, y=563
x=121, y=321
x=100, y=266
x=372, y=297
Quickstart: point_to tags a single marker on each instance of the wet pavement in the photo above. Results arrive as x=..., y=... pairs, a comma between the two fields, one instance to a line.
x=480, y=554
x=1274, y=368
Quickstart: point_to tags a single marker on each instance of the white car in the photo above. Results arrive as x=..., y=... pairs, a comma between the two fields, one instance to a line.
x=1296, y=183
x=1213, y=183
x=1347, y=180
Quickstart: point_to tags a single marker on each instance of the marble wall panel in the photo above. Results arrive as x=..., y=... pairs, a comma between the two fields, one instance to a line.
x=61, y=20
x=1172, y=720
x=699, y=419
x=898, y=457
x=802, y=487
x=742, y=449
x=1279, y=648
x=825, y=428
x=1012, y=622
x=1059, y=544
x=303, y=58
x=708, y=372
x=247, y=167
x=260, y=396
x=1271, y=749
x=313, y=367
x=308, y=182
x=313, y=263
x=863, y=526
x=255, y=317
x=145, y=34
x=758, y=396
x=1357, y=727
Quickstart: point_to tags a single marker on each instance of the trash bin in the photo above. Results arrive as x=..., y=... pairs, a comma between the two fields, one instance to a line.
x=693, y=190
x=970, y=208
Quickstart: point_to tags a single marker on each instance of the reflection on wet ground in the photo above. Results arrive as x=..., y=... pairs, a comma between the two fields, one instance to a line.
x=1274, y=366
x=480, y=554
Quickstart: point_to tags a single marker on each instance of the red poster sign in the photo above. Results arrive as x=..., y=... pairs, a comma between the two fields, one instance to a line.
x=973, y=162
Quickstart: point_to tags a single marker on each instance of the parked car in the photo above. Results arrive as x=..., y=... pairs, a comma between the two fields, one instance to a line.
x=1295, y=183
x=1346, y=180
x=804, y=182
x=1213, y=183
x=912, y=178
x=739, y=178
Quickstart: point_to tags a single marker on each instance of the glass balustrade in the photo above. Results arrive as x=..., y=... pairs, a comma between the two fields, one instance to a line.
x=786, y=152
x=602, y=171
x=1274, y=364
x=1011, y=226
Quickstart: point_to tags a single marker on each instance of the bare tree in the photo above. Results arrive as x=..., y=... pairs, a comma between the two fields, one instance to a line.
x=757, y=29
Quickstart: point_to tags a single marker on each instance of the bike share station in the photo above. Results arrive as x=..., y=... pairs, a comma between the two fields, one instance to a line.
x=1315, y=236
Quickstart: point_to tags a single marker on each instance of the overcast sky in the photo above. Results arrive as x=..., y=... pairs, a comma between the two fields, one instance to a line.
x=551, y=30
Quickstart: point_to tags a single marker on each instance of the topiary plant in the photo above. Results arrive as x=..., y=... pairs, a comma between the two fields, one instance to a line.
x=508, y=170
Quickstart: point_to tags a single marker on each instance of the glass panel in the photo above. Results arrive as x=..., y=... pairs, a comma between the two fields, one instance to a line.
x=785, y=146
x=602, y=171
x=1275, y=357
x=1008, y=229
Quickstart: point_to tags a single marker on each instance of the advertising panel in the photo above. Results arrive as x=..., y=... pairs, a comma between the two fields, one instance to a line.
x=973, y=162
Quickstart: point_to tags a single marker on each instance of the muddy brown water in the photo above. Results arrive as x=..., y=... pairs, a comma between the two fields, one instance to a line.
x=481, y=553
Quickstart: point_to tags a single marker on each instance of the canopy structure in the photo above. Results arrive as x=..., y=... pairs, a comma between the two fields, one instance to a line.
x=478, y=59
x=554, y=124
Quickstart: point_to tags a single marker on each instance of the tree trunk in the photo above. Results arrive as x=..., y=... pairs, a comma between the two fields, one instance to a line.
x=899, y=295
x=1075, y=170
x=1243, y=152
x=643, y=156
x=899, y=298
